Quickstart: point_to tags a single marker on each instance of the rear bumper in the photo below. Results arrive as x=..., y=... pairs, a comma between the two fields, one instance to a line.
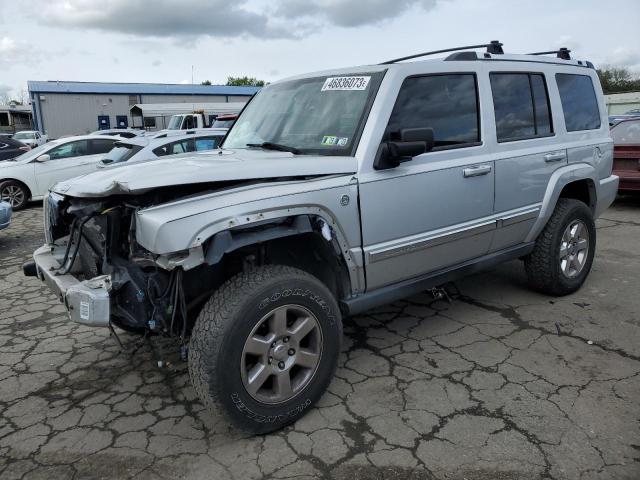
x=88, y=302
x=629, y=179
x=607, y=191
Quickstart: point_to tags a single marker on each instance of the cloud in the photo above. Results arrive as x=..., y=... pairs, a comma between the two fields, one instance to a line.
x=15, y=52
x=187, y=19
x=5, y=89
x=348, y=13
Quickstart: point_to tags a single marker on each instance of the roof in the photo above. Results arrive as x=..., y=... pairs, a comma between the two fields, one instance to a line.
x=15, y=108
x=57, y=86
x=167, y=109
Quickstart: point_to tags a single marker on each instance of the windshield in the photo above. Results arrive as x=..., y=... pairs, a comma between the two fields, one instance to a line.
x=175, y=123
x=24, y=136
x=320, y=115
x=222, y=123
x=121, y=153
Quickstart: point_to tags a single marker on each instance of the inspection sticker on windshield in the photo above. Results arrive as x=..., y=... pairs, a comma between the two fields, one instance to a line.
x=345, y=83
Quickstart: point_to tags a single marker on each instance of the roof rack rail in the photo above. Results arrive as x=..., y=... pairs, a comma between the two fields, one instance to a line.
x=494, y=47
x=562, y=53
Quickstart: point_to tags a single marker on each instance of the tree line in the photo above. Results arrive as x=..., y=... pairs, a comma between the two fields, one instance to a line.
x=618, y=80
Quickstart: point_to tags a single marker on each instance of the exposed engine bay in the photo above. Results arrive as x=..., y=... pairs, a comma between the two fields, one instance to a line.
x=96, y=238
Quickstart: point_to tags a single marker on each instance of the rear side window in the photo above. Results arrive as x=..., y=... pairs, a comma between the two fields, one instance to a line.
x=174, y=148
x=207, y=143
x=446, y=103
x=579, y=102
x=101, y=146
x=521, y=106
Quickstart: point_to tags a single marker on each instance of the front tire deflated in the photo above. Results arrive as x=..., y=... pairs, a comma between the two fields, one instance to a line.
x=265, y=346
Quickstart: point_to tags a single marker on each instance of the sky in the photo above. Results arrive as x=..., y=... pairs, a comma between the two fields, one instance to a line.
x=161, y=40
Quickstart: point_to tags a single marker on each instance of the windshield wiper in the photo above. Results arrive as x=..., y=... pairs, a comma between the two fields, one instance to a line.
x=275, y=146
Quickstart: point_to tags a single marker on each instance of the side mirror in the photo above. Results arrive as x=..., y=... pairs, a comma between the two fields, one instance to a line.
x=403, y=146
x=43, y=158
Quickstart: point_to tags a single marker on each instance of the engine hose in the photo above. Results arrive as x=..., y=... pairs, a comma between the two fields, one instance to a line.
x=72, y=260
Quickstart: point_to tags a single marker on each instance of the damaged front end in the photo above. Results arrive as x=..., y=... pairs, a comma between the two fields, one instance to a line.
x=92, y=261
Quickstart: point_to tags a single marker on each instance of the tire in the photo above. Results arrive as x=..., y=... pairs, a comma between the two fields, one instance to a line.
x=15, y=193
x=551, y=268
x=247, y=307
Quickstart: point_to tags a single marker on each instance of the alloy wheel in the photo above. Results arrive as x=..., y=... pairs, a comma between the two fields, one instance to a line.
x=281, y=354
x=574, y=249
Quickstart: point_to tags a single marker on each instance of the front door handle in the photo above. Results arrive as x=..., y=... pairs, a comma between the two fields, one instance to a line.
x=476, y=171
x=555, y=157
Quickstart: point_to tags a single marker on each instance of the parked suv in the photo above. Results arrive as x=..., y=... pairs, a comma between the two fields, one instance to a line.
x=333, y=193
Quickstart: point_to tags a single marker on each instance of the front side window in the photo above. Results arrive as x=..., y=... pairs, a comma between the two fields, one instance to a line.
x=319, y=115
x=71, y=149
x=446, y=103
x=521, y=106
x=579, y=102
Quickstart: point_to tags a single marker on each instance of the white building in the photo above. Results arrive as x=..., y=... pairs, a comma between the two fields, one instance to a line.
x=71, y=108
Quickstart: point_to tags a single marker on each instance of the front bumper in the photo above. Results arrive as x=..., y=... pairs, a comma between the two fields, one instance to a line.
x=606, y=193
x=88, y=302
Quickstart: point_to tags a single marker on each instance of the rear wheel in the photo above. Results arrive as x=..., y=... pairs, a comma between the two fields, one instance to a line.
x=14, y=193
x=563, y=254
x=265, y=346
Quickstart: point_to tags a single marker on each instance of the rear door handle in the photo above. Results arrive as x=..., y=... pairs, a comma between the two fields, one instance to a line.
x=555, y=157
x=476, y=171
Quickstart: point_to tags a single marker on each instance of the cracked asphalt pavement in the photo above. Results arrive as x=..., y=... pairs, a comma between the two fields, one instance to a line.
x=502, y=383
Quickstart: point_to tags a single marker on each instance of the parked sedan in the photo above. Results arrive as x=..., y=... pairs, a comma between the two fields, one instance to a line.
x=33, y=138
x=626, y=153
x=10, y=148
x=166, y=143
x=5, y=215
x=29, y=176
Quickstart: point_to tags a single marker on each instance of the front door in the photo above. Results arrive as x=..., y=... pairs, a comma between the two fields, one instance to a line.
x=70, y=160
x=434, y=211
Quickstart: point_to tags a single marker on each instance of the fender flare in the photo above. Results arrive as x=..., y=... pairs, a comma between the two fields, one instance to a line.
x=559, y=179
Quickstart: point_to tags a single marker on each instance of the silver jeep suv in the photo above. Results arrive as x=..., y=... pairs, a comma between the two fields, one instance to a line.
x=335, y=192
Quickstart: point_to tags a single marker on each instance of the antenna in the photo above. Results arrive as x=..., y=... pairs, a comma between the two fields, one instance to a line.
x=493, y=47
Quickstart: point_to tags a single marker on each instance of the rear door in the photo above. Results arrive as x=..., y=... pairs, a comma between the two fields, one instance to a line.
x=527, y=151
x=434, y=211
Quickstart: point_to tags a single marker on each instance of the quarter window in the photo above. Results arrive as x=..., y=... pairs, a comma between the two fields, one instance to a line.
x=521, y=106
x=446, y=103
x=579, y=103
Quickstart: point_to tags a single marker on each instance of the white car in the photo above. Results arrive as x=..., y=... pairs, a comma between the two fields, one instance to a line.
x=172, y=142
x=33, y=138
x=29, y=176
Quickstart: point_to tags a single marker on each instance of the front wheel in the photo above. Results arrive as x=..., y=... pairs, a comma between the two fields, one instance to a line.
x=14, y=193
x=564, y=251
x=265, y=346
